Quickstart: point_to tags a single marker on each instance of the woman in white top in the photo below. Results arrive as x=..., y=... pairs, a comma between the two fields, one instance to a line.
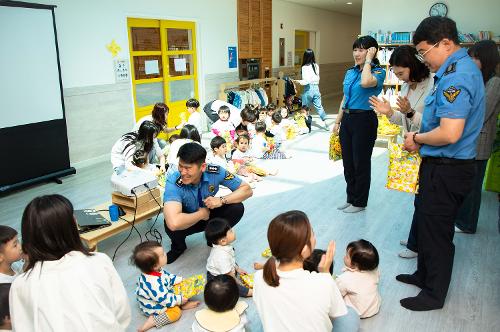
x=310, y=80
x=417, y=83
x=287, y=297
x=144, y=139
x=188, y=134
x=65, y=287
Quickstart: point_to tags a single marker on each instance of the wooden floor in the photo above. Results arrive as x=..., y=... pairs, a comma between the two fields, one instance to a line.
x=312, y=183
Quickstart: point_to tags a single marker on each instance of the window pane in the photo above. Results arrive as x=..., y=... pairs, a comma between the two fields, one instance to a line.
x=179, y=40
x=180, y=65
x=149, y=93
x=181, y=90
x=145, y=39
x=148, y=67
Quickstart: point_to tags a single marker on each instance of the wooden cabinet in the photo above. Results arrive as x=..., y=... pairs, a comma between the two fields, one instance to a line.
x=255, y=31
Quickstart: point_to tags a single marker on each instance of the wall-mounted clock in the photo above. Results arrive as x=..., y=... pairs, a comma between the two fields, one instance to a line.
x=438, y=9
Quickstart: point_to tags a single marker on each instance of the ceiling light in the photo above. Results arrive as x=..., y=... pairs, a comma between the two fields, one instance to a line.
x=349, y=3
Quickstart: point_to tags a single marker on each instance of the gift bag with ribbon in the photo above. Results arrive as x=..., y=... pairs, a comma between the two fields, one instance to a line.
x=403, y=169
x=335, y=151
x=492, y=179
x=191, y=286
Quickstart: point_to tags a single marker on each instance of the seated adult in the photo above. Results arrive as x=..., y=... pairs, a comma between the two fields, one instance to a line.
x=64, y=286
x=189, y=199
x=123, y=150
x=212, y=108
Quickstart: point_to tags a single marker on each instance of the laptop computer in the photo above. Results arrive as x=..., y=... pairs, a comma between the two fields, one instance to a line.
x=90, y=220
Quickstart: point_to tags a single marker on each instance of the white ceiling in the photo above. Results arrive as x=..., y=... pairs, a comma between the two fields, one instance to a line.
x=340, y=6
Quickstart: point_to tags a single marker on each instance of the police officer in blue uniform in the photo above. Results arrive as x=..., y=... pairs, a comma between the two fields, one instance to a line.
x=189, y=199
x=451, y=122
x=358, y=122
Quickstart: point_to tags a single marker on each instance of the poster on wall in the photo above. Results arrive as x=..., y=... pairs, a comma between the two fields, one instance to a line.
x=232, y=57
x=121, y=70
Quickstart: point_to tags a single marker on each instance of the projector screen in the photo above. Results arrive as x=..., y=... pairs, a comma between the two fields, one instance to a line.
x=28, y=63
x=33, y=132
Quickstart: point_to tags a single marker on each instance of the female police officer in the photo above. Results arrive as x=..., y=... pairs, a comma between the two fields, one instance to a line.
x=358, y=131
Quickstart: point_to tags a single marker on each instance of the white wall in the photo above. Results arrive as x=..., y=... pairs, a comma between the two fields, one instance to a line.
x=405, y=15
x=335, y=32
x=86, y=27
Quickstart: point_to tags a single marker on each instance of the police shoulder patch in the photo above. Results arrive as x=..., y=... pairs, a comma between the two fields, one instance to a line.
x=451, y=93
x=451, y=68
x=179, y=182
x=211, y=188
x=229, y=176
x=214, y=169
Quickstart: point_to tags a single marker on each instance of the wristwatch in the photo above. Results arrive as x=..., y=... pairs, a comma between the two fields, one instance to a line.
x=223, y=200
x=410, y=114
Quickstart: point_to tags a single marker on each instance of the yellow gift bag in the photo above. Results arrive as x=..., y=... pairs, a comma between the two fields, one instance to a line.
x=335, y=151
x=247, y=280
x=267, y=253
x=403, y=169
x=191, y=286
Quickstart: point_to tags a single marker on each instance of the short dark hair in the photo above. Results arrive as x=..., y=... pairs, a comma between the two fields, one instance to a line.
x=4, y=302
x=173, y=138
x=49, y=230
x=271, y=106
x=216, y=229
x=248, y=115
x=190, y=131
x=311, y=263
x=192, y=153
x=192, y=103
x=486, y=51
x=223, y=109
x=363, y=254
x=434, y=29
x=276, y=117
x=6, y=234
x=221, y=293
x=144, y=256
x=365, y=42
x=404, y=56
x=140, y=157
x=260, y=126
x=244, y=136
x=216, y=142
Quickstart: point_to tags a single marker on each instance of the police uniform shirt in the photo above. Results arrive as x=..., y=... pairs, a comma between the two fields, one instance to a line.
x=458, y=93
x=191, y=196
x=356, y=97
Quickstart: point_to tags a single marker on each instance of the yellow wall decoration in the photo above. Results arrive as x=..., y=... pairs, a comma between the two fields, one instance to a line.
x=114, y=48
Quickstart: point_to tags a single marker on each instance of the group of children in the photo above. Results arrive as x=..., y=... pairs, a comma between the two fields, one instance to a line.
x=358, y=283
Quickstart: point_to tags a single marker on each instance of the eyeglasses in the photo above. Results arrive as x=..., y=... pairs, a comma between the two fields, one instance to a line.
x=420, y=56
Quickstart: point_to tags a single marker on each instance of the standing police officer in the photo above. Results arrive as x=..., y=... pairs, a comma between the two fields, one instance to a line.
x=189, y=199
x=451, y=122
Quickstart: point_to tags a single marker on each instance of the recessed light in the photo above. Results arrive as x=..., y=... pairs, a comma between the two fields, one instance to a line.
x=349, y=3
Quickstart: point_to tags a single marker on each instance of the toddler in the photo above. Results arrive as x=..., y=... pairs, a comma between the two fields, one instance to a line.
x=242, y=159
x=219, y=150
x=303, y=120
x=263, y=115
x=5, y=323
x=194, y=116
x=261, y=148
x=223, y=127
x=358, y=283
x=277, y=129
x=224, y=311
x=10, y=253
x=154, y=290
x=222, y=258
x=140, y=159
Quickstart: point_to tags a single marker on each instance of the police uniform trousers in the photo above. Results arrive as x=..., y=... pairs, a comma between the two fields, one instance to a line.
x=443, y=185
x=358, y=133
x=231, y=212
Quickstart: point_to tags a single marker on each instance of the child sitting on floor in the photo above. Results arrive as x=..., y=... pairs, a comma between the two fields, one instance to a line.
x=303, y=120
x=261, y=148
x=5, y=323
x=222, y=258
x=224, y=311
x=358, y=283
x=154, y=290
x=223, y=127
x=242, y=159
x=279, y=133
x=10, y=253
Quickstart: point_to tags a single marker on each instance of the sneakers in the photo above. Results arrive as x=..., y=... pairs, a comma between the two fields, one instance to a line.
x=344, y=206
x=353, y=209
x=407, y=253
x=325, y=125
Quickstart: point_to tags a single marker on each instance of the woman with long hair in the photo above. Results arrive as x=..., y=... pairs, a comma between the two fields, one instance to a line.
x=310, y=80
x=145, y=140
x=159, y=116
x=289, y=298
x=64, y=286
x=358, y=122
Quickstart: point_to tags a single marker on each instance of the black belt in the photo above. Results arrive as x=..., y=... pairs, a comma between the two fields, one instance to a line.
x=446, y=161
x=348, y=111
